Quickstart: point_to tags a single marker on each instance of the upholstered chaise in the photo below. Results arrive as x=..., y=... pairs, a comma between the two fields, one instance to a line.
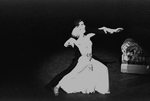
x=134, y=58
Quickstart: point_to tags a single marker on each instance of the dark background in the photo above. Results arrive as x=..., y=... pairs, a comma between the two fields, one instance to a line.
x=33, y=29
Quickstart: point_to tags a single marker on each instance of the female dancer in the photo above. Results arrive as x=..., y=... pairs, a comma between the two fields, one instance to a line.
x=88, y=75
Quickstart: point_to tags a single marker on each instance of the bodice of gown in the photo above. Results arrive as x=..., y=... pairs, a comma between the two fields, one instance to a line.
x=85, y=46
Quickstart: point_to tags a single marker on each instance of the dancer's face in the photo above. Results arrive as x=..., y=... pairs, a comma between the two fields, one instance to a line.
x=80, y=30
x=81, y=25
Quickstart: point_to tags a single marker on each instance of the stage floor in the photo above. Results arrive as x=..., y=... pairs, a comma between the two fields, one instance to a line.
x=123, y=87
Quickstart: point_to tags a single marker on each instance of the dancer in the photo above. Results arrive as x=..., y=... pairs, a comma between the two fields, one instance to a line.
x=88, y=75
x=101, y=30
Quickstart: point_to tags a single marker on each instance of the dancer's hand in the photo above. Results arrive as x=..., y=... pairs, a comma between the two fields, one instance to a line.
x=118, y=30
x=66, y=44
x=90, y=66
x=109, y=30
x=69, y=42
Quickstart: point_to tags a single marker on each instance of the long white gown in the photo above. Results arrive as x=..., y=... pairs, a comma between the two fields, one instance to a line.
x=88, y=76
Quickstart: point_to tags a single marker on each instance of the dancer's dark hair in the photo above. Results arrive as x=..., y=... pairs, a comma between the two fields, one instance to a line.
x=76, y=22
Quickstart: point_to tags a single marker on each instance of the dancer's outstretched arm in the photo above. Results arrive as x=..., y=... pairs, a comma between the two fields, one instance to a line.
x=110, y=30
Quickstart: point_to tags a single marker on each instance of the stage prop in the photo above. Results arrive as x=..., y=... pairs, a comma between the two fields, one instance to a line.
x=134, y=58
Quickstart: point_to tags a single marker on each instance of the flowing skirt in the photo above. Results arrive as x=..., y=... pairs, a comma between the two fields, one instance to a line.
x=87, y=77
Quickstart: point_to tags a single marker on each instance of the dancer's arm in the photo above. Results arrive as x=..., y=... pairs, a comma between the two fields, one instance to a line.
x=110, y=30
x=70, y=41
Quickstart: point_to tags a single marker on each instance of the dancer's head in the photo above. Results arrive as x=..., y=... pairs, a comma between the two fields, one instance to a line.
x=79, y=29
x=79, y=23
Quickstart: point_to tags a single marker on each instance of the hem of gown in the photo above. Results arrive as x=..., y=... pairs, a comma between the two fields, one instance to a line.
x=84, y=92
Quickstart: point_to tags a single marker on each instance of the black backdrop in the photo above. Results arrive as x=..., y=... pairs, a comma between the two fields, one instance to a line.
x=31, y=29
